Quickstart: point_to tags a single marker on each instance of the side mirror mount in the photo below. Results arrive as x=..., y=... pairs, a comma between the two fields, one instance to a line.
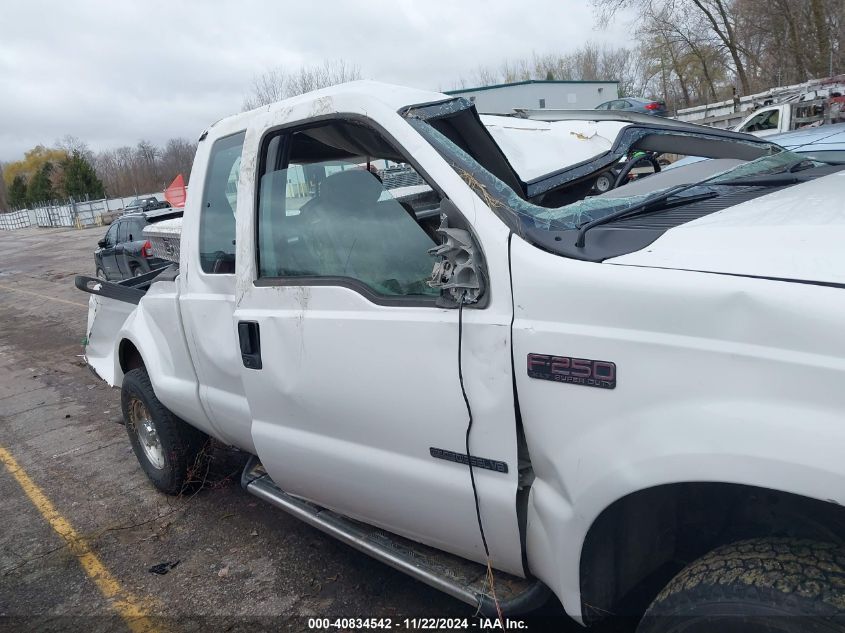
x=459, y=272
x=102, y=243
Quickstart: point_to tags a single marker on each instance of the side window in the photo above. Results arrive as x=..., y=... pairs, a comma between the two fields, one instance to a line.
x=217, y=219
x=122, y=231
x=136, y=228
x=767, y=120
x=111, y=235
x=338, y=202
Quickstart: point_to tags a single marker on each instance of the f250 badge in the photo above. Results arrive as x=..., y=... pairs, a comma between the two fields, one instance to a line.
x=576, y=371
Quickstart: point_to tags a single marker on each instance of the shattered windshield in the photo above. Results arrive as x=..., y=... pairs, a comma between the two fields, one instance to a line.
x=510, y=205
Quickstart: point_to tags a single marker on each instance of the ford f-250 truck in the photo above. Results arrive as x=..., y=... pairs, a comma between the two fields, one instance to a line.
x=499, y=384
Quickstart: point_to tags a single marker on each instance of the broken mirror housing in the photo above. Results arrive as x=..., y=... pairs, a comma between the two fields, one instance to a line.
x=457, y=274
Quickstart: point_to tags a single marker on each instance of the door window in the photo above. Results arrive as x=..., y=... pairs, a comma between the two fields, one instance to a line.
x=767, y=120
x=135, y=228
x=343, y=206
x=111, y=235
x=220, y=193
x=122, y=232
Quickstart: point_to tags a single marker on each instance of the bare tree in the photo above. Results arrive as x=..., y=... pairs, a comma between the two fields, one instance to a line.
x=71, y=144
x=591, y=62
x=177, y=157
x=748, y=44
x=277, y=83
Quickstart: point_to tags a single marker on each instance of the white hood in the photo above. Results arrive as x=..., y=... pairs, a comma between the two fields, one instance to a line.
x=796, y=233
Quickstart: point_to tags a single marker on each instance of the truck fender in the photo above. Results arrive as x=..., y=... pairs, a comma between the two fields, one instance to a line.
x=155, y=330
x=720, y=442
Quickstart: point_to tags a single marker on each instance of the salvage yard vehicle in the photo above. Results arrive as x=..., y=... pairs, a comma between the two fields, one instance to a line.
x=124, y=251
x=632, y=400
x=150, y=203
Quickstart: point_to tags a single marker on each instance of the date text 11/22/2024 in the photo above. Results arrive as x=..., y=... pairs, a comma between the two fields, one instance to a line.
x=412, y=624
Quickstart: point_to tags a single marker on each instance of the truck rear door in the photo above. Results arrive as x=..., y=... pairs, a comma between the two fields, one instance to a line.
x=208, y=291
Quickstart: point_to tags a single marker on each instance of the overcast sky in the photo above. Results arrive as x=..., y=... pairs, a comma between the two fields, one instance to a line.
x=112, y=73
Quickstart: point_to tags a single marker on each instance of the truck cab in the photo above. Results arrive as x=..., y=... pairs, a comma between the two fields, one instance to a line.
x=598, y=396
x=767, y=121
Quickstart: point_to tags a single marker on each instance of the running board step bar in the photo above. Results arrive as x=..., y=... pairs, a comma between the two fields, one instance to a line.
x=458, y=577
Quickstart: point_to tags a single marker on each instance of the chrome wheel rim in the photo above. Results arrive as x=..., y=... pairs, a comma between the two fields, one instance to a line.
x=145, y=429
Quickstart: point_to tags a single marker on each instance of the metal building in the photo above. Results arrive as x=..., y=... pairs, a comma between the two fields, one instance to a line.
x=552, y=94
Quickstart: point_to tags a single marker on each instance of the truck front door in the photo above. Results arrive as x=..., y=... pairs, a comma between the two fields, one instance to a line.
x=349, y=365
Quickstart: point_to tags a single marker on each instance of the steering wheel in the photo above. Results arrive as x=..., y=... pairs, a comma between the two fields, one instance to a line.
x=621, y=179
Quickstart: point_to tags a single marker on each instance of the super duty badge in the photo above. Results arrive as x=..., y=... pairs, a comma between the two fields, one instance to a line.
x=576, y=371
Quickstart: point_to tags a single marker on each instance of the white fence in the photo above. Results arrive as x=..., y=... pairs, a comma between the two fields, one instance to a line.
x=14, y=220
x=72, y=213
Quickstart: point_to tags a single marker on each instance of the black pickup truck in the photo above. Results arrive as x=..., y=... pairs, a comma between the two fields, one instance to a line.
x=124, y=252
x=143, y=205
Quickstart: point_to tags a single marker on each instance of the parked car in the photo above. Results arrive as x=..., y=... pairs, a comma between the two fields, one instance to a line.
x=634, y=401
x=636, y=104
x=139, y=205
x=124, y=252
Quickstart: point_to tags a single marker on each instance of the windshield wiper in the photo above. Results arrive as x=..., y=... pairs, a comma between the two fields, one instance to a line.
x=646, y=205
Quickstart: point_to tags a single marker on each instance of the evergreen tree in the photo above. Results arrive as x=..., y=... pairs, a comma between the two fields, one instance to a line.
x=17, y=192
x=40, y=188
x=80, y=179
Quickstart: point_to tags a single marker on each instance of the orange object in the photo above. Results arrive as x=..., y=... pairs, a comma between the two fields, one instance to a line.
x=175, y=193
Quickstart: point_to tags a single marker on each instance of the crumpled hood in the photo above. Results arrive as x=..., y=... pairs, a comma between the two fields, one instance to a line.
x=796, y=233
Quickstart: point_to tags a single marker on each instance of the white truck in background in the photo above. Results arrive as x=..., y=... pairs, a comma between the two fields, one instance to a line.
x=632, y=400
x=775, y=111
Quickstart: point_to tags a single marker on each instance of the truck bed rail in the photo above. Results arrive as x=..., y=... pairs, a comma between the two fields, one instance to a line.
x=128, y=290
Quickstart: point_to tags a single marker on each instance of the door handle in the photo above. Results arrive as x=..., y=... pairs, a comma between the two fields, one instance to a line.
x=250, y=340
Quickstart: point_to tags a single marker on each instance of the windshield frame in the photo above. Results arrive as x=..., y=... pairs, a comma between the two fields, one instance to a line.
x=515, y=208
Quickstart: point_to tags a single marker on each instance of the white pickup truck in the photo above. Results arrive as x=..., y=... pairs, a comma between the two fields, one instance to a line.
x=633, y=400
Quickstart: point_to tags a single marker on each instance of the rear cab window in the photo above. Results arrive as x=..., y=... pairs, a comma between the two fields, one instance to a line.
x=219, y=202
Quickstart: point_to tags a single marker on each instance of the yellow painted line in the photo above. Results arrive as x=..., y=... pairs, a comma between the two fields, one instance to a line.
x=39, y=295
x=122, y=601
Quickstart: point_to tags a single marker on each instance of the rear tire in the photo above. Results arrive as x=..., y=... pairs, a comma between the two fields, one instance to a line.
x=170, y=451
x=780, y=585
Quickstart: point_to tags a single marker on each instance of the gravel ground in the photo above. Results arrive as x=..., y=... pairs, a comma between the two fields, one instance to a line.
x=242, y=564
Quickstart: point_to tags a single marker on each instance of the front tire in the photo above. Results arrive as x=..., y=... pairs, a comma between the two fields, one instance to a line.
x=782, y=585
x=169, y=450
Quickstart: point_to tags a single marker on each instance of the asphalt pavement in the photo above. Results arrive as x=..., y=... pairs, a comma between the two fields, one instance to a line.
x=82, y=527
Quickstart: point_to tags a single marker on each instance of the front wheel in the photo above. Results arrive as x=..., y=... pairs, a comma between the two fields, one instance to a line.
x=169, y=450
x=781, y=585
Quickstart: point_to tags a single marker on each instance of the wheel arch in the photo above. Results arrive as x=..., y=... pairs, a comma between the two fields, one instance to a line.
x=129, y=356
x=641, y=540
